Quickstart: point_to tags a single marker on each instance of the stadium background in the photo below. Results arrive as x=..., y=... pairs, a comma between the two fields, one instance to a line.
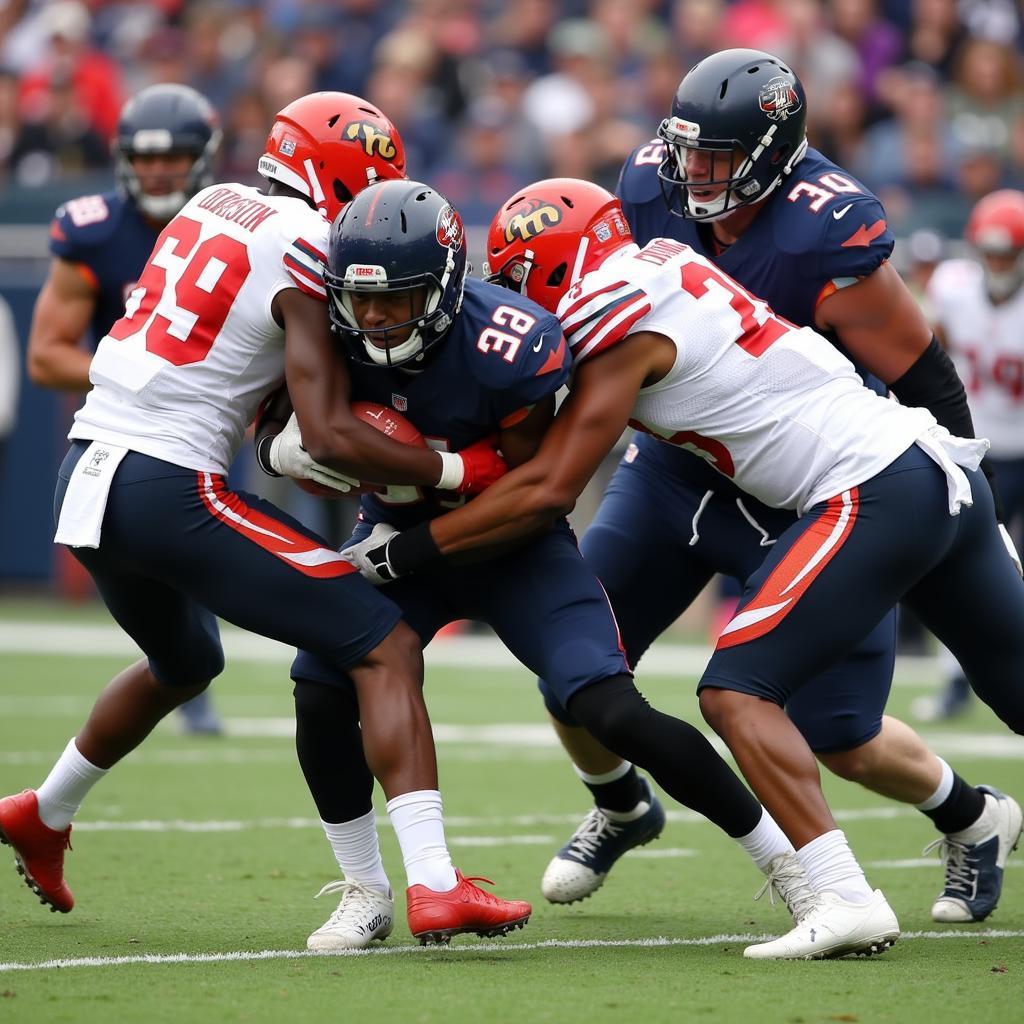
x=921, y=99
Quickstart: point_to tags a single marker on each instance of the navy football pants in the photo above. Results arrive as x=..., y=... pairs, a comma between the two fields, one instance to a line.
x=177, y=548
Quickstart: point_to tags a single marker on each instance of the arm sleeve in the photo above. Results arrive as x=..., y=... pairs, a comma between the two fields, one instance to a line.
x=932, y=383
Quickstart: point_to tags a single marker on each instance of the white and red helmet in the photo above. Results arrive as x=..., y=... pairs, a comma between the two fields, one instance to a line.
x=996, y=230
x=329, y=146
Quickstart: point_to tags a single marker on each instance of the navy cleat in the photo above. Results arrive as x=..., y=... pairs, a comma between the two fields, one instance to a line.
x=581, y=866
x=198, y=717
x=975, y=859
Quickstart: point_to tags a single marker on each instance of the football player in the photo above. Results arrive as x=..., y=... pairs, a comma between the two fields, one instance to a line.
x=167, y=139
x=731, y=175
x=978, y=307
x=889, y=505
x=465, y=360
x=230, y=304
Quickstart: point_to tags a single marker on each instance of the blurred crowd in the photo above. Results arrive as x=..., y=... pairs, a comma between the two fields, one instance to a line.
x=922, y=99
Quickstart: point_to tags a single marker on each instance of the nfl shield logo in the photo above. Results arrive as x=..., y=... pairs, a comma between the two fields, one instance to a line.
x=399, y=402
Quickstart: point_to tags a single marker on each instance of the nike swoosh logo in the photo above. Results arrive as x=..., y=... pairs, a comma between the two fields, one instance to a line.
x=539, y=345
x=840, y=214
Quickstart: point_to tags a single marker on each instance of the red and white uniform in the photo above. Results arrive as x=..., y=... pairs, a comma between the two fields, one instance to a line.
x=772, y=406
x=986, y=342
x=181, y=375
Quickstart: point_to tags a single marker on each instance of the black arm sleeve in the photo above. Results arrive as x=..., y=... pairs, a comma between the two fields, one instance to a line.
x=932, y=383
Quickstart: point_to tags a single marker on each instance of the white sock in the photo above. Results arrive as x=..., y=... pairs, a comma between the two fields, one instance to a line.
x=766, y=842
x=418, y=820
x=357, y=849
x=941, y=794
x=66, y=786
x=605, y=777
x=832, y=867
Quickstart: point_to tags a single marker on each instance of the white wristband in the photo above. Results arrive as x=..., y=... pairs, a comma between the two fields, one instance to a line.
x=453, y=471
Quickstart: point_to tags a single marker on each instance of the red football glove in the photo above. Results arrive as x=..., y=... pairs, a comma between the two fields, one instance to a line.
x=482, y=465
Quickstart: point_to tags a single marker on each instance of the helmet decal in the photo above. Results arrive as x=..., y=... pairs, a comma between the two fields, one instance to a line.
x=374, y=141
x=778, y=99
x=531, y=220
x=450, y=232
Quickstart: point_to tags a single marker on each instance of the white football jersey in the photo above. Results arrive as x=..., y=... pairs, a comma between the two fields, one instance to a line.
x=181, y=375
x=774, y=407
x=986, y=343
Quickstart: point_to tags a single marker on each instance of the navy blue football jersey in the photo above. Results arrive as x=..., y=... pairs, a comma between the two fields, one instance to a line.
x=108, y=237
x=503, y=355
x=820, y=230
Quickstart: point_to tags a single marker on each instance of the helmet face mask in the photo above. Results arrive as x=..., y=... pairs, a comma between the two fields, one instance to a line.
x=744, y=110
x=329, y=146
x=406, y=240
x=166, y=120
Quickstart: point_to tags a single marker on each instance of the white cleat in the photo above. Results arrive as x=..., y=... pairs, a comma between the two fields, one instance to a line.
x=785, y=875
x=363, y=915
x=834, y=927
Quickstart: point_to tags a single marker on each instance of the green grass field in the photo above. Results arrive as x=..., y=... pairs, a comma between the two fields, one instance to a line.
x=196, y=861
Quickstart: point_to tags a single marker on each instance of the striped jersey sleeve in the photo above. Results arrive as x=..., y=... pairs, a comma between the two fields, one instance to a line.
x=596, y=321
x=305, y=264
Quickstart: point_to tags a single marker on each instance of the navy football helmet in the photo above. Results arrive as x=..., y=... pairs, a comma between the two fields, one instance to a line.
x=166, y=119
x=397, y=236
x=747, y=111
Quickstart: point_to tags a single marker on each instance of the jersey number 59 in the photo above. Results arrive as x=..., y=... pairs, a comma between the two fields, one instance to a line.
x=205, y=279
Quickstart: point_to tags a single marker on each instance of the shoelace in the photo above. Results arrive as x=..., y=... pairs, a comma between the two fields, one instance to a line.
x=354, y=897
x=484, y=895
x=794, y=888
x=961, y=869
x=595, y=827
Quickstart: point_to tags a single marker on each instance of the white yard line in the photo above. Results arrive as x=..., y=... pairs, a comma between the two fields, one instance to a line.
x=511, y=948
x=107, y=640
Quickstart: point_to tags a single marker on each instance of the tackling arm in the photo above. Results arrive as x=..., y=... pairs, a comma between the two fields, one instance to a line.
x=319, y=387
x=59, y=322
x=586, y=428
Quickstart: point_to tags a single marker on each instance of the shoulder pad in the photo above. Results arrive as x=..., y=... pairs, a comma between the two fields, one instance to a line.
x=85, y=222
x=512, y=345
x=638, y=179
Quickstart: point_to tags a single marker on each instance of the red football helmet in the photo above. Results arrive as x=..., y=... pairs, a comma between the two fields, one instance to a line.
x=550, y=234
x=996, y=230
x=331, y=145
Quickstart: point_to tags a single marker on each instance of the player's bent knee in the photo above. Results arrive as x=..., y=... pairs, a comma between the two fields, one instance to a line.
x=854, y=765
x=400, y=649
x=554, y=707
x=615, y=713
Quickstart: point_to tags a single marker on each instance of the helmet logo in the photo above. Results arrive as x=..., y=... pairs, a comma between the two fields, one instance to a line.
x=450, y=232
x=778, y=99
x=531, y=220
x=364, y=274
x=288, y=147
x=374, y=141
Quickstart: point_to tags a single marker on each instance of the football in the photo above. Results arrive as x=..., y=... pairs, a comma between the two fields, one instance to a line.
x=388, y=422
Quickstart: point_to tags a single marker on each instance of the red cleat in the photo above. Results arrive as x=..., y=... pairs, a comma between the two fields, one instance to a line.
x=38, y=850
x=437, y=916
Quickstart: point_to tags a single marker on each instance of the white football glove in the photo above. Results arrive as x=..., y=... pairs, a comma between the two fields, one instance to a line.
x=1011, y=550
x=287, y=457
x=370, y=556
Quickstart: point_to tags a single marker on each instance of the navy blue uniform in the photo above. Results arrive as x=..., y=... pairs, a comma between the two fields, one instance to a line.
x=821, y=230
x=542, y=600
x=107, y=237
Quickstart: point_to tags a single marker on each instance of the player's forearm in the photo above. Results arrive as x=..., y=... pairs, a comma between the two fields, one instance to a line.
x=60, y=366
x=360, y=451
x=519, y=505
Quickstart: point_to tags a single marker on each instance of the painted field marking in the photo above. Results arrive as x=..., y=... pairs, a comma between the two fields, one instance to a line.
x=459, y=950
x=107, y=640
